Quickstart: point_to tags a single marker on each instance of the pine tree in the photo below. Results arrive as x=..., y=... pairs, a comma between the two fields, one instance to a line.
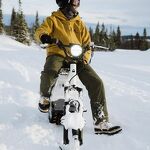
x=21, y=28
x=96, y=34
x=132, y=42
x=103, y=38
x=100, y=36
x=112, y=40
x=118, y=37
x=1, y=19
x=144, y=45
x=13, y=23
x=35, y=25
x=137, y=41
x=91, y=33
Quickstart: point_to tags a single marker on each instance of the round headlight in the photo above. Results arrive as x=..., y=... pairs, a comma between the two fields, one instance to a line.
x=76, y=50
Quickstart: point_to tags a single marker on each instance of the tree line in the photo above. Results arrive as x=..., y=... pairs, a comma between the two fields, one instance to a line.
x=113, y=39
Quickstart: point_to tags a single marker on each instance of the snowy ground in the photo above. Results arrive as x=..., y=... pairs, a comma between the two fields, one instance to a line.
x=126, y=75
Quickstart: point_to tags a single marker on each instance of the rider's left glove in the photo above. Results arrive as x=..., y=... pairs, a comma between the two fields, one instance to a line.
x=47, y=39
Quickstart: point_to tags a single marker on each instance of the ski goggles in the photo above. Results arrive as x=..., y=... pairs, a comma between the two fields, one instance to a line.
x=75, y=2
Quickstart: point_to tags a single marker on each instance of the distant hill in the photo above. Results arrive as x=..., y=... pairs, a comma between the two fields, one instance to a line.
x=29, y=18
x=125, y=29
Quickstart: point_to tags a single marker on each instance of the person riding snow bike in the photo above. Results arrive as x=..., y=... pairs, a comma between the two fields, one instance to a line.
x=66, y=26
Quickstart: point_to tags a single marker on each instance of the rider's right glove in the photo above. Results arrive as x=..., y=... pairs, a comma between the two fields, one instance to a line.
x=47, y=39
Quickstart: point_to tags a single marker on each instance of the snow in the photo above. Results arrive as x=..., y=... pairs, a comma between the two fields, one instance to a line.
x=126, y=76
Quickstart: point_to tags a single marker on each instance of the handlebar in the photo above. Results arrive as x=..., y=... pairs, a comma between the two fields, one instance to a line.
x=60, y=44
x=93, y=46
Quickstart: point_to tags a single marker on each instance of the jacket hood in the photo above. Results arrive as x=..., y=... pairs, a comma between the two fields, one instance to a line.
x=61, y=16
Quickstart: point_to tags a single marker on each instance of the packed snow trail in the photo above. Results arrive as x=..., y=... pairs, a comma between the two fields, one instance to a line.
x=126, y=76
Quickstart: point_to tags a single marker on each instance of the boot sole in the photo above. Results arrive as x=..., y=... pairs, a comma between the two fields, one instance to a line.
x=108, y=132
x=43, y=111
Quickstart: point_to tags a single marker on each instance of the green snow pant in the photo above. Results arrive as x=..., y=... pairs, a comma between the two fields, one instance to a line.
x=88, y=77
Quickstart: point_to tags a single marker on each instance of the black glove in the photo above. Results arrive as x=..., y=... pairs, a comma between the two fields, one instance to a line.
x=47, y=39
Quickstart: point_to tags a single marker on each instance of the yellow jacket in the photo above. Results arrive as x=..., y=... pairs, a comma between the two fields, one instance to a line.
x=67, y=31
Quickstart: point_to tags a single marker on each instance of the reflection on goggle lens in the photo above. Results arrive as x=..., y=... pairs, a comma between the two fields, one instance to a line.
x=75, y=2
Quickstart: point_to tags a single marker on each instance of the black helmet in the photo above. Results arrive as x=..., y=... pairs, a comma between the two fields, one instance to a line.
x=63, y=3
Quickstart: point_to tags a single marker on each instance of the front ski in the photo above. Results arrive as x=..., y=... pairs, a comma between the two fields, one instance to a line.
x=63, y=147
x=60, y=148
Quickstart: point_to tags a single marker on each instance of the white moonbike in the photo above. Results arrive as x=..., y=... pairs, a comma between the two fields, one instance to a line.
x=67, y=108
x=66, y=105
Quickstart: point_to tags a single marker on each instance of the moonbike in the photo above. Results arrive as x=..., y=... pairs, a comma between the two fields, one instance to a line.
x=72, y=118
x=68, y=110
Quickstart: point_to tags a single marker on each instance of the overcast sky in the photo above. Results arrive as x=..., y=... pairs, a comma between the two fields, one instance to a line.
x=119, y=12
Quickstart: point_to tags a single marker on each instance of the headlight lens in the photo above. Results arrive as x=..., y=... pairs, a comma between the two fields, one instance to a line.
x=76, y=50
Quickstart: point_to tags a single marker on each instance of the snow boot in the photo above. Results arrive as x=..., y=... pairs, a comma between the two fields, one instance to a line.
x=106, y=128
x=44, y=104
x=101, y=121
